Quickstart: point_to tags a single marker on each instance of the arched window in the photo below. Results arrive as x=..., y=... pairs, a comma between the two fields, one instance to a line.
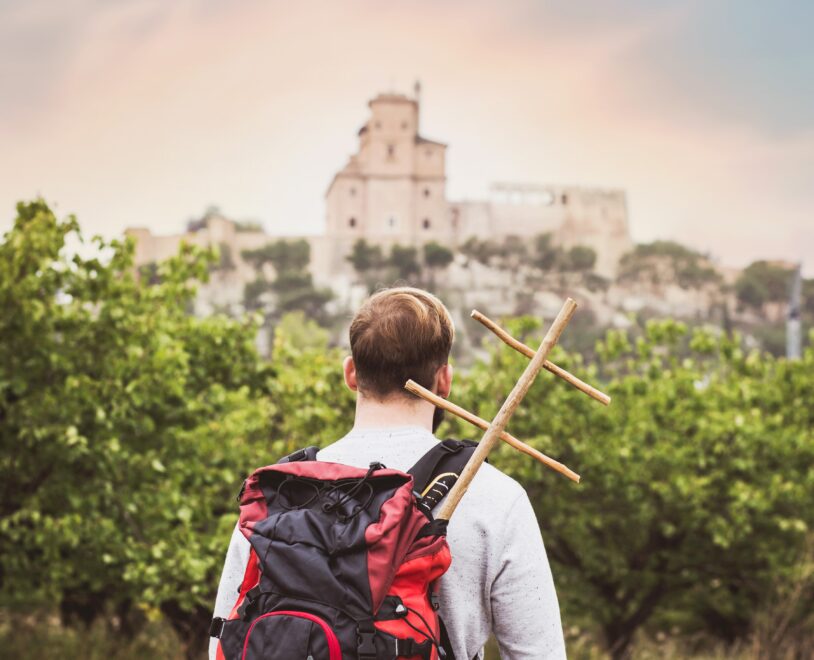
x=426, y=223
x=352, y=222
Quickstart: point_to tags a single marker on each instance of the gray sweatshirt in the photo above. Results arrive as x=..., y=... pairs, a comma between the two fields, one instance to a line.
x=499, y=581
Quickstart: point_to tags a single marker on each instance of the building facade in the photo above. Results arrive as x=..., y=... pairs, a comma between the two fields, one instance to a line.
x=393, y=190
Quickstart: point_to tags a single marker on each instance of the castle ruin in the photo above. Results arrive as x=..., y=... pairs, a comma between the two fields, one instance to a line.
x=393, y=191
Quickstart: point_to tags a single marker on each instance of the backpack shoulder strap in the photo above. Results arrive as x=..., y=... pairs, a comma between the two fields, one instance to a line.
x=304, y=454
x=438, y=470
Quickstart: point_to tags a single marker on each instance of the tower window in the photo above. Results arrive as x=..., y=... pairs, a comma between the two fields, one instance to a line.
x=352, y=222
x=426, y=223
x=404, y=125
x=391, y=150
x=391, y=221
x=353, y=192
x=426, y=192
x=564, y=198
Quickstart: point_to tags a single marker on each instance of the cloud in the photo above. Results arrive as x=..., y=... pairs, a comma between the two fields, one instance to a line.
x=146, y=112
x=734, y=62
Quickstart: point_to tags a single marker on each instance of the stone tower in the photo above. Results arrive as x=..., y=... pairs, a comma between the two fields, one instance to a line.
x=393, y=190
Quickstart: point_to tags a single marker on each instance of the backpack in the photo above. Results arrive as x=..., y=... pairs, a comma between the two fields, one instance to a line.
x=344, y=562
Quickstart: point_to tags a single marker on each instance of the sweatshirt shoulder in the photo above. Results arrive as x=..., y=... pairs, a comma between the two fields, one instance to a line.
x=494, y=475
x=494, y=490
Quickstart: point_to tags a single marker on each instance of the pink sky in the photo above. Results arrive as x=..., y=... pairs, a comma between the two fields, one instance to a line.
x=144, y=113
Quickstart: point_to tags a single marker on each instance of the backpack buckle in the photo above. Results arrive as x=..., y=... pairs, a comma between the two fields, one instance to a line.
x=452, y=446
x=242, y=490
x=435, y=601
x=216, y=627
x=366, y=640
x=299, y=455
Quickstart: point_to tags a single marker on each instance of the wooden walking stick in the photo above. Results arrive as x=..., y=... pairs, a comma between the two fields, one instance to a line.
x=498, y=424
x=509, y=439
x=520, y=347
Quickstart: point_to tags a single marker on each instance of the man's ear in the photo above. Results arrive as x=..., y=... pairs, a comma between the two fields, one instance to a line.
x=349, y=369
x=443, y=380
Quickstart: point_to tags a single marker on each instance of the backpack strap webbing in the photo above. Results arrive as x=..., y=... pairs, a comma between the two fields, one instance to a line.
x=445, y=643
x=438, y=470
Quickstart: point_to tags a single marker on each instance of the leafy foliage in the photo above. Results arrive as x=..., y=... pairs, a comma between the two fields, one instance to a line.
x=437, y=256
x=127, y=425
x=292, y=288
x=667, y=261
x=404, y=259
x=285, y=256
x=762, y=282
x=480, y=250
x=581, y=257
x=698, y=481
x=112, y=398
x=548, y=256
x=365, y=257
x=401, y=264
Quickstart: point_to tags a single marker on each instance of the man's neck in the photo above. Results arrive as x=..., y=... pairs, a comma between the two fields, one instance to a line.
x=371, y=413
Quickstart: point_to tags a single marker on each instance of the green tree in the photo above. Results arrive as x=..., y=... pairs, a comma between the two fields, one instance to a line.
x=365, y=257
x=751, y=292
x=762, y=282
x=302, y=333
x=404, y=260
x=291, y=289
x=370, y=264
x=127, y=426
x=254, y=292
x=580, y=258
x=665, y=262
x=296, y=291
x=284, y=255
x=697, y=496
x=481, y=251
x=436, y=256
x=513, y=253
x=548, y=256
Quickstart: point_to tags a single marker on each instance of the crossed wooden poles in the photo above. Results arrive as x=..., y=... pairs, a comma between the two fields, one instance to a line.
x=495, y=430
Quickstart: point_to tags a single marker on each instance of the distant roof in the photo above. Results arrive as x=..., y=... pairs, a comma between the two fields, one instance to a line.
x=399, y=98
x=422, y=140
